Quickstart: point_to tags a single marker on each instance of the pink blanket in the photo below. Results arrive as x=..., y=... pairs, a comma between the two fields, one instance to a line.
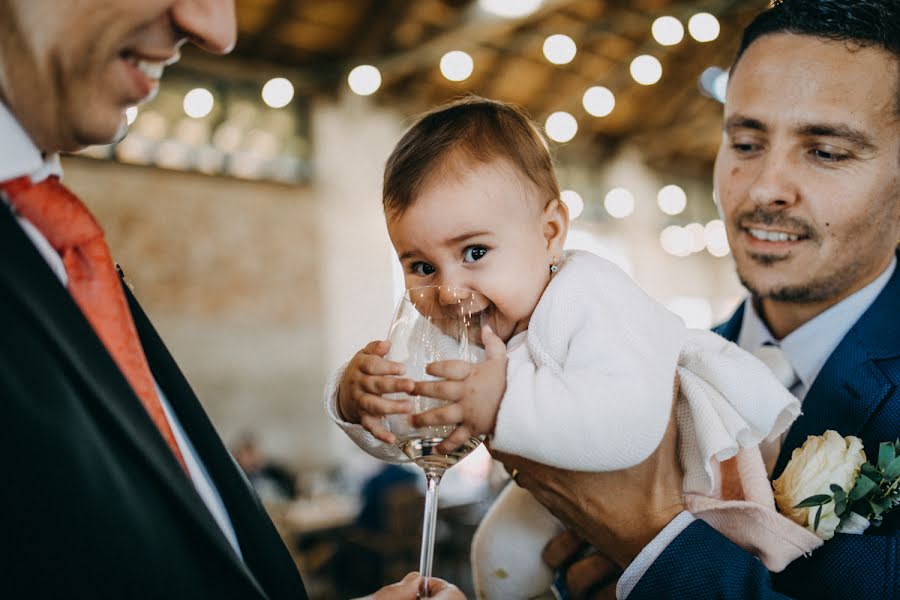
x=743, y=510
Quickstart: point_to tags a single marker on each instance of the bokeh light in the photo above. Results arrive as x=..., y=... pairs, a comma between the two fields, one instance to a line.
x=704, y=27
x=457, y=65
x=574, y=202
x=198, y=103
x=668, y=31
x=646, y=69
x=598, y=101
x=364, y=80
x=619, y=203
x=671, y=199
x=278, y=92
x=561, y=127
x=559, y=49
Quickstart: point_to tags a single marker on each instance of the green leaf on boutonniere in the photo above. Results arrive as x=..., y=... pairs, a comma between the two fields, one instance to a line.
x=863, y=486
x=818, y=516
x=838, y=491
x=886, y=455
x=893, y=470
x=817, y=500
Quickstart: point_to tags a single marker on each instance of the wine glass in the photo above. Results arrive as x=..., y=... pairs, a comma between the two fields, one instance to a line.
x=433, y=323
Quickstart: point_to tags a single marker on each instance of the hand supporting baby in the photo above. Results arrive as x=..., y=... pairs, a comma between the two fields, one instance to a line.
x=472, y=390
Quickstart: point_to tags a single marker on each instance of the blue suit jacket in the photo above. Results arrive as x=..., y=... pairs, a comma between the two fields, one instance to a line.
x=856, y=393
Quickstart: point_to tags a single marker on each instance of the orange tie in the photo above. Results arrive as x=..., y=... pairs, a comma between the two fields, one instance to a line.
x=69, y=227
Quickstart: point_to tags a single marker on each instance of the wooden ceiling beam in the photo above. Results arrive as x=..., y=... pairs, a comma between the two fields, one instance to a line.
x=261, y=42
x=372, y=34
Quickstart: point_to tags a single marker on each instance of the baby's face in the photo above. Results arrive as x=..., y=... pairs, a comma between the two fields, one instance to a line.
x=483, y=229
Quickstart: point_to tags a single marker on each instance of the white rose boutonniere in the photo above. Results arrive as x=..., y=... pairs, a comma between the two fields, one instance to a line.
x=828, y=486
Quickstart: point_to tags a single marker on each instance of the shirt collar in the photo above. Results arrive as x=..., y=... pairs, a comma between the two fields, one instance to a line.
x=810, y=345
x=18, y=154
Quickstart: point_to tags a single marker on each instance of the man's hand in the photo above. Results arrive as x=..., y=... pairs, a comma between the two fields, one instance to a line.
x=474, y=391
x=367, y=377
x=586, y=574
x=408, y=588
x=617, y=512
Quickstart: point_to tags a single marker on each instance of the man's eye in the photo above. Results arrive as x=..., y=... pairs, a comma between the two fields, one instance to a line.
x=744, y=148
x=827, y=156
x=422, y=269
x=474, y=253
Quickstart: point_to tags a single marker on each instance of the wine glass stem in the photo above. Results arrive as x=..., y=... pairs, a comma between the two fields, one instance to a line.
x=433, y=480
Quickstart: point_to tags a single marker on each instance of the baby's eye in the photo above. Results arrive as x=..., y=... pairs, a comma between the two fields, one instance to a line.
x=474, y=253
x=422, y=269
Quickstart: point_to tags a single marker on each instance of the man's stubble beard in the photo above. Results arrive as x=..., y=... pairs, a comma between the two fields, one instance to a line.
x=817, y=289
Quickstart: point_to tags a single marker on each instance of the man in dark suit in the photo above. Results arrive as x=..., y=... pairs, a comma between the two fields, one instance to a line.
x=808, y=182
x=115, y=483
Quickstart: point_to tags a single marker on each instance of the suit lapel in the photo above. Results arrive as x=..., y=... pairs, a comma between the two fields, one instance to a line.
x=25, y=275
x=731, y=328
x=851, y=386
x=252, y=526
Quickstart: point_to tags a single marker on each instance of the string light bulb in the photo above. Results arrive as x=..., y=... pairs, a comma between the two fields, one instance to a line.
x=457, y=65
x=560, y=49
x=668, y=31
x=704, y=27
x=646, y=69
x=198, y=103
x=278, y=92
x=598, y=101
x=364, y=80
x=561, y=127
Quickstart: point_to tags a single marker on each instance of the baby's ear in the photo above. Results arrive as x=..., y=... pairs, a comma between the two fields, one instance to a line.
x=555, y=223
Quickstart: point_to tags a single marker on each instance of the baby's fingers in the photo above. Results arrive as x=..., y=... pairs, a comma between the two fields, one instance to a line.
x=450, y=369
x=379, y=384
x=451, y=391
x=371, y=364
x=457, y=438
x=375, y=426
x=376, y=405
x=444, y=415
x=493, y=345
x=378, y=347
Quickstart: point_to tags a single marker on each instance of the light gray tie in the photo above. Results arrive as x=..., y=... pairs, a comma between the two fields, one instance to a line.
x=774, y=357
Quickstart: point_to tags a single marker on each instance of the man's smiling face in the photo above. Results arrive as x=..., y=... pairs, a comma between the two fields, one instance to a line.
x=808, y=173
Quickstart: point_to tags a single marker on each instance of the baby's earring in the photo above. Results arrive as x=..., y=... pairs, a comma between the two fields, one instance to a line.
x=553, y=267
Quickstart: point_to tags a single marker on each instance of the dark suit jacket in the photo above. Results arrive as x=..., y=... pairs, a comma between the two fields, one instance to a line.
x=856, y=393
x=93, y=504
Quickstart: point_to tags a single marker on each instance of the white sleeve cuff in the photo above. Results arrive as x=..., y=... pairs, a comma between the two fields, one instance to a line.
x=643, y=561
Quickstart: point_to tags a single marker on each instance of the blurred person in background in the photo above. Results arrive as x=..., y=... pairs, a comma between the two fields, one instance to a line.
x=808, y=182
x=271, y=481
x=121, y=488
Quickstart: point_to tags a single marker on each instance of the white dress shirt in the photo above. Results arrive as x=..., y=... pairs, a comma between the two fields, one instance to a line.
x=19, y=157
x=807, y=348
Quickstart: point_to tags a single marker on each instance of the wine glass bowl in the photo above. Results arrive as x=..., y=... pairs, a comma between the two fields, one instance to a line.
x=432, y=324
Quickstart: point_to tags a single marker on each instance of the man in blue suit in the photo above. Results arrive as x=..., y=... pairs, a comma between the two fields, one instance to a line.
x=808, y=182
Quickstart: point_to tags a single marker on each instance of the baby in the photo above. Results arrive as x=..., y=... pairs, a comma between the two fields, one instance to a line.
x=580, y=364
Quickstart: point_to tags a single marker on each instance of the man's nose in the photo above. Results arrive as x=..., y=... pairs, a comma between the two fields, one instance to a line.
x=775, y=185
x=210, y=24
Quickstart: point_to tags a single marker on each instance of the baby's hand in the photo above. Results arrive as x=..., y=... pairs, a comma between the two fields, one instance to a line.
x=367, y=377
x=474, y=391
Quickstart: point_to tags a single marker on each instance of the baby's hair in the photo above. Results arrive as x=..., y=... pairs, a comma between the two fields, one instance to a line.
x=473, y=128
